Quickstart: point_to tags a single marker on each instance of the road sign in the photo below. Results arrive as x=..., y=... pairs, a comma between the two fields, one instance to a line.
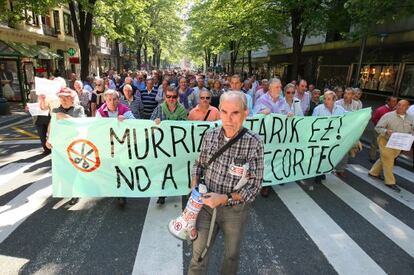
x=71, y=51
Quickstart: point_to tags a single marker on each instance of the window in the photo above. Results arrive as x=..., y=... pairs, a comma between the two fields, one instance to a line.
x=31, y=18
x=407, y=83
x=67, y=24
x=56, y=21
x=379, y=77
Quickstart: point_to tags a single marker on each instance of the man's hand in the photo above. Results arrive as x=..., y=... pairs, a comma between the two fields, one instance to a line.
x=290, y=114
x=214, y=200
x=121, y=118
x=157, y=121
x=389, y=132
x=41, y=97
x=48, y=145
x=265, y=111
x=61, y=115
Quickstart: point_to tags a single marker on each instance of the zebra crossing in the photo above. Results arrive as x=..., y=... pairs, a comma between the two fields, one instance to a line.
x=349, y=225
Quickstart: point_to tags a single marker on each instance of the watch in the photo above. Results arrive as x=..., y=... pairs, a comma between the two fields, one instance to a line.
x=229, y=198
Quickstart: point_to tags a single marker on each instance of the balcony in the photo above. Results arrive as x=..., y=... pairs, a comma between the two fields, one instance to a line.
x=49, y=31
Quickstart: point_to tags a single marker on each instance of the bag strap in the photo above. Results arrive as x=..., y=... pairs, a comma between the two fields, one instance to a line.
x=208, y=113
x=226, y=146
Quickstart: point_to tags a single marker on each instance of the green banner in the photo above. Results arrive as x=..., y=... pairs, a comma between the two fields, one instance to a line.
x=135, y=158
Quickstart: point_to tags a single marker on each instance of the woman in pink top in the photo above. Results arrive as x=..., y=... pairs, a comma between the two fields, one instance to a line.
x=203, y=110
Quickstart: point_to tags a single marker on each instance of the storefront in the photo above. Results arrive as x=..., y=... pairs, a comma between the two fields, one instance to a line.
x=19, y=63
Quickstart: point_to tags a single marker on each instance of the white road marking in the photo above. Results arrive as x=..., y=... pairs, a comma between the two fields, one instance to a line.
x=405, y=197
x=22, y=206
x=393, y=228
x=158, y=251
x=342, y=252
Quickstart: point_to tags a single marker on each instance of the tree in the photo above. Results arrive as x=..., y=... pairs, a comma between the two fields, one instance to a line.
x=235, y=26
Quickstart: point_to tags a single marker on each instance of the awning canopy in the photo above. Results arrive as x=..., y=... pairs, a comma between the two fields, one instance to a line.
x=16, y=49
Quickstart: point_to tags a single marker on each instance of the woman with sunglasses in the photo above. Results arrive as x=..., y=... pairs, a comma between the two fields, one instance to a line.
x=204, y=111
x=291, y=107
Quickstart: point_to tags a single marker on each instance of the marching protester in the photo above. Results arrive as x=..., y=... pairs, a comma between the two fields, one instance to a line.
x=348, y=102
x=397, y=121
x=229, y=208
x=235, y=85
x=161, y=90
x=204, y=111
x=292, y=104
x=170, y=109
x=216, y=92
x=330, y=108
x=97, y=99
x=67, y=109
x=270, y=102
x=357, y=97
x=133, y=102
x=303, y=95
x=315, y=101
x=198, y=89
x=148, y=99
x=261, y=90
x=389, y=106
x=82, y=97
x=185, y=94
x=113, y=108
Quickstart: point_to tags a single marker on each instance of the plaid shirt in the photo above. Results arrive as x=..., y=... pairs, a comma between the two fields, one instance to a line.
x=249, y=149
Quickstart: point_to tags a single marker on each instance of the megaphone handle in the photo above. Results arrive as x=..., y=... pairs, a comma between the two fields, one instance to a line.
x=210, y=235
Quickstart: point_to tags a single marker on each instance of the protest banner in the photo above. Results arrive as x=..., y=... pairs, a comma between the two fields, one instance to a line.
x=135, y=158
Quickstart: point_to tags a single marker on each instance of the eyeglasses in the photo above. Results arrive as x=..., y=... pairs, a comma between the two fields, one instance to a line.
x=289, y=93
x=171, y=96
x=204, y=97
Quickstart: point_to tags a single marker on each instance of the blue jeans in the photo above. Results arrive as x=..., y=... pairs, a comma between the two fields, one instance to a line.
x=231, y=220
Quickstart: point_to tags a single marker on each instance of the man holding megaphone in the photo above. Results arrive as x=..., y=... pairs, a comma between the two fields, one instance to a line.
x=230, y=170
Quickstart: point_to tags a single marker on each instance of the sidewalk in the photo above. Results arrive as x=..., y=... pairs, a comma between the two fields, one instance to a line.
x=17, y=113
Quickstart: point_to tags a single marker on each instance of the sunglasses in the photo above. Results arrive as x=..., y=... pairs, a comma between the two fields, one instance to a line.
x=289, y=93
x=204, y=97
x=171, y=96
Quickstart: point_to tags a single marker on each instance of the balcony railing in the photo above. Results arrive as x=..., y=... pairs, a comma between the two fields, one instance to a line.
x=49, y=31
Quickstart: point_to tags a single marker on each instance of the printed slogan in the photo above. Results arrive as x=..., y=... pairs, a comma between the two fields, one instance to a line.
x=136, y=158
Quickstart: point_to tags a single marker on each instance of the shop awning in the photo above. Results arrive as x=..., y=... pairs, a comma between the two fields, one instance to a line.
x=16, y=49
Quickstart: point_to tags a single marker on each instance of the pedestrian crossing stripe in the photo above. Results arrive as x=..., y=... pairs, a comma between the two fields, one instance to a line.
x=157, y=252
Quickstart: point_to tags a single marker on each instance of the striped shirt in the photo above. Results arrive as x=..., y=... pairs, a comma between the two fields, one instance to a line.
x=248, y=149
x=134, y=105
x=149, y=102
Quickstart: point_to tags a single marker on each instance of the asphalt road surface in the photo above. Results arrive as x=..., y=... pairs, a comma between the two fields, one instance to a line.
x=351, y=225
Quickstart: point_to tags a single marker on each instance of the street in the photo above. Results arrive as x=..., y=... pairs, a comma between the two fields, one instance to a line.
x=351, y=225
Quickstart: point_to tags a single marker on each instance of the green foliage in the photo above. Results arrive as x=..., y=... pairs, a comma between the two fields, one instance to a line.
x=367, y=15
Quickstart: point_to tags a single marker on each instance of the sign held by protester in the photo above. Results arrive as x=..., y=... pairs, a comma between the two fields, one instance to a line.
x=135, y=158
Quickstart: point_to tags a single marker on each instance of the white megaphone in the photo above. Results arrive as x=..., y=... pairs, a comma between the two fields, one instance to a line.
x=184, y=227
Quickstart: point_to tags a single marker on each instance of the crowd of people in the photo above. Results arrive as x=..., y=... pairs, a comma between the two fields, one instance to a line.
x=172, y=95
x=184, y=95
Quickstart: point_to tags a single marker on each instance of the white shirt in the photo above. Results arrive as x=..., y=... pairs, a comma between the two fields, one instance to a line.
x=410, y=110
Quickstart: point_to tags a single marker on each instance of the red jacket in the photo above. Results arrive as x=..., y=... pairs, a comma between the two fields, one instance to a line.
x=379, y=112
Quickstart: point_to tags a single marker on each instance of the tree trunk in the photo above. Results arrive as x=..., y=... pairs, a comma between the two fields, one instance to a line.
x=299, y=33
x=242, y=67
x=159, y=59
x=139, y=60
x=146, y=56
x=249, y=61
x=118, y=56
x=207, y=58
x=82, y=25
x=234, y=50
x=215, y=60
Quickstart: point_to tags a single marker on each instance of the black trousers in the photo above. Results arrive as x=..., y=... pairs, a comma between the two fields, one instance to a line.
x=42, y=122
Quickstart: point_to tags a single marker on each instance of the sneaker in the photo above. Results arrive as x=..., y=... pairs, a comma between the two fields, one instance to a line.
x=317, y=180
x=394, y=187
x=161, y=200
x=265, y=191
x=376, y=177
x=121, y=202
x=73, y=201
